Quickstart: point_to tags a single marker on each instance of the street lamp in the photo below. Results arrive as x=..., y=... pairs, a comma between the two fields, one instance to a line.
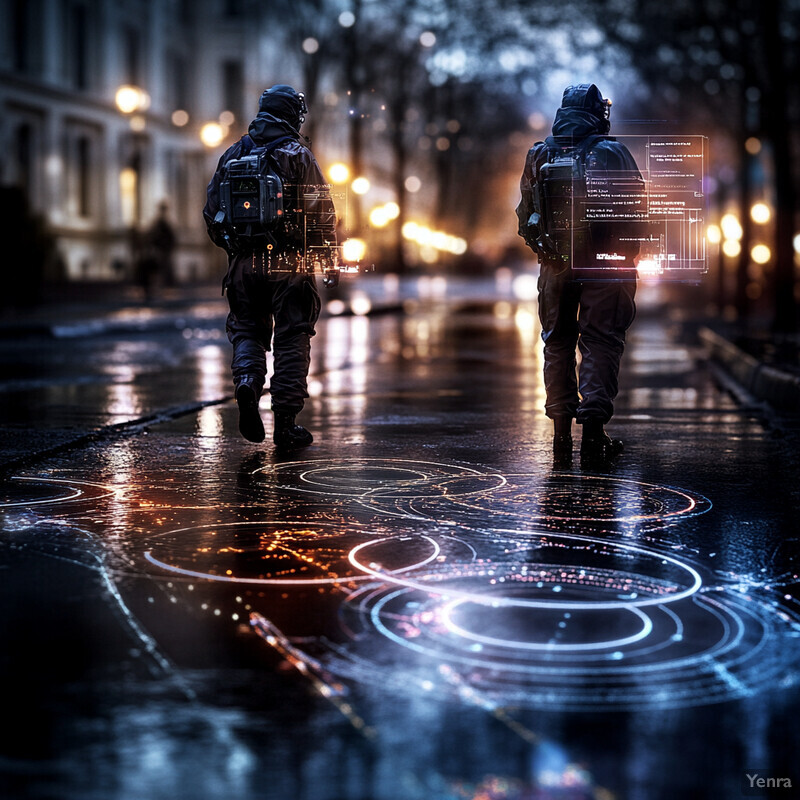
x=131, y=98
x=339, y=173
x=760, y=213
x=212, y=134
x=731, y=227
x=353, y=249
x=761, y=254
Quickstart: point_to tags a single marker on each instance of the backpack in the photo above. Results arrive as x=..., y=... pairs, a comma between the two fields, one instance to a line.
x=559, y=223
x=251, y=196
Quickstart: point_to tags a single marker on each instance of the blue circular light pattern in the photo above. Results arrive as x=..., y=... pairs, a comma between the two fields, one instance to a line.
x=510, y=590
x=26, y=491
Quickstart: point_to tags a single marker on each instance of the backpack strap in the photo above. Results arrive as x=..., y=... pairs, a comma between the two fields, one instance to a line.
x=269, y=147
x=582, y=148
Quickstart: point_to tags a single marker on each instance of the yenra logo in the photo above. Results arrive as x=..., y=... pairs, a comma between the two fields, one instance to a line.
x=757, y=782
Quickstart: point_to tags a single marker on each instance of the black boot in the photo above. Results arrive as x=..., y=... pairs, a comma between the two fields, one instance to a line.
x=562, y=441
x=247, y=393
x=287, y=434
x=597, y=447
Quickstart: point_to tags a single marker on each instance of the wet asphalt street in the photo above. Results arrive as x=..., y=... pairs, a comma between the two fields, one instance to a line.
x=420, y=605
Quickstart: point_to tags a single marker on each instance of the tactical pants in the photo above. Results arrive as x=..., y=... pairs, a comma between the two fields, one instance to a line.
x=281, y=309
x=592, y=315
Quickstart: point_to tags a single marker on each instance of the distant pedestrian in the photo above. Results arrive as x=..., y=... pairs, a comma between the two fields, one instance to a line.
x=270, y=281
x=587, y=280
x=161, y=241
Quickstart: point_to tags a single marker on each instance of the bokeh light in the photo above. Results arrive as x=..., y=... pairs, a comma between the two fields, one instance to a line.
x=731, y=227
x=760, y=213
x=212, y=134
x=131, y=98
x=339, y=173
x=180, y=118
x=353, y=249
x=731, y=248
x=360, y=185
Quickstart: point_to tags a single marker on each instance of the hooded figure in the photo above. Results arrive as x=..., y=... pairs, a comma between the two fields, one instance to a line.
x=588, y=305
x=271, y=289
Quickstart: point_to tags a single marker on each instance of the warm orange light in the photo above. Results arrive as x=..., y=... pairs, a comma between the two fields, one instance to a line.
x=760, y=213
x=731, y=248
x=731, y=227
x=212, y=134
x=339, y=173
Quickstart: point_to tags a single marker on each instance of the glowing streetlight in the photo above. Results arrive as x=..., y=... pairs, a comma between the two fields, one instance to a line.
x=731, y=248
x=360, y=185
x=180, y=118
x=212, y=134
x=353, y=249
x=131, y=98
x=378, y=217
x=760, y=254
x=339, y=173
x=753, y=145
x=731, y=227
x=760, y=213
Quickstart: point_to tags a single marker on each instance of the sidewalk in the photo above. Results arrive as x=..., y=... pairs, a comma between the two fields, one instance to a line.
x=763, y=367
x=766, y=368
x=78, y=309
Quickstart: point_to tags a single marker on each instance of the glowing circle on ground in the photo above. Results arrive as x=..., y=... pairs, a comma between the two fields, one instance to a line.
x=568, y=497
x=32, y=491
x=379, y=479
x=270, y=553
x=552, y=578
x=551, y=646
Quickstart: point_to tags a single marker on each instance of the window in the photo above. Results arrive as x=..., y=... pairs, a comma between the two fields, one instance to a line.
x=131, y=55
x=78, y=56
x=83, y=176
x=233, y=88
x=26, y=37
x=178, y=82
x=23, y=147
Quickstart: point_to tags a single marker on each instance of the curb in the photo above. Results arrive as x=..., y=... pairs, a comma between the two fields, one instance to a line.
x=779, y=389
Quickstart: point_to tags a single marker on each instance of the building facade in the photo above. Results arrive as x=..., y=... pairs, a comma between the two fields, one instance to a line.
x=94, y=162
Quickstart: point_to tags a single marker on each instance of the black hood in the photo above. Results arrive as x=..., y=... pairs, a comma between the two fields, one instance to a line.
x=581, y=114
x=266, y=127
x=280, y=113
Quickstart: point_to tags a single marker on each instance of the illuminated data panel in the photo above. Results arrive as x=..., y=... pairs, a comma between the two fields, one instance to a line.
x=659, y=211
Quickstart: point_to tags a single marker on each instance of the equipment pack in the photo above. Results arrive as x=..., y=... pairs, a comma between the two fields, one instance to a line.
x=252, y=211
x=559, y=199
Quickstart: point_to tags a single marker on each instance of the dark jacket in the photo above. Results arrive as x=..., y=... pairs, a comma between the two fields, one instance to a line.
x=571, y=128
x=297, y=168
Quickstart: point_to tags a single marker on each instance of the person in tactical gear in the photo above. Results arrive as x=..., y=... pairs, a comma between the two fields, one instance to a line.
x=270, y=282
x=586, y=295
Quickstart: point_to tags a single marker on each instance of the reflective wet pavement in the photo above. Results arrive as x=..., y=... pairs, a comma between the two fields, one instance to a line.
x=420, y=605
